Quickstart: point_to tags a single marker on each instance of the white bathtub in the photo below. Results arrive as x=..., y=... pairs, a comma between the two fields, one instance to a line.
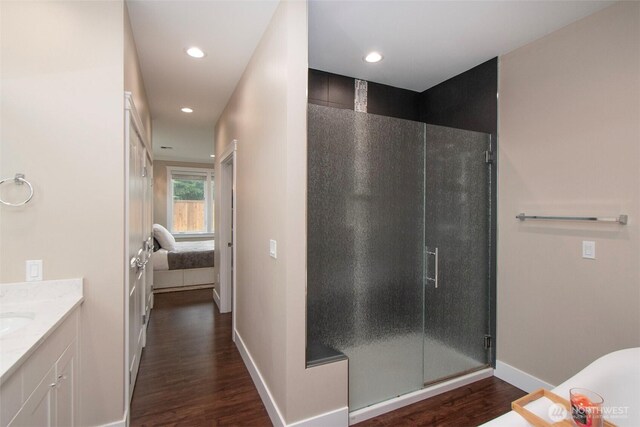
x=615, y=376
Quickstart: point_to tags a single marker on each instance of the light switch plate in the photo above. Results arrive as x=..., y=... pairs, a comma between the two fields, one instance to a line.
x=34, y=270
x=588, y=249
x=273, y=249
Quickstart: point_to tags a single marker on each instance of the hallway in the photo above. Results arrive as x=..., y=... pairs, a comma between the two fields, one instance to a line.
x=191, y=372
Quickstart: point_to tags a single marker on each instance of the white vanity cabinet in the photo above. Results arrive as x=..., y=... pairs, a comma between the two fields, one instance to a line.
x=43, y=390
x=39, y=409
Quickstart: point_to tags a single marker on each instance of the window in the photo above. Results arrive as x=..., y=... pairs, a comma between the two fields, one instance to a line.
x=190, y=200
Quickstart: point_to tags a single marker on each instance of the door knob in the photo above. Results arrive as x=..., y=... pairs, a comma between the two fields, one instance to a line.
x=229, y=244
x=136, y=262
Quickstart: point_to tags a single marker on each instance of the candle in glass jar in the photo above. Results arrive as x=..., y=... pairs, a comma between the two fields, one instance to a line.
x=586, y=407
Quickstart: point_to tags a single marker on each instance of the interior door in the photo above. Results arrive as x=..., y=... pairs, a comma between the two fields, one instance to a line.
x=457, y=233
x=137, y=256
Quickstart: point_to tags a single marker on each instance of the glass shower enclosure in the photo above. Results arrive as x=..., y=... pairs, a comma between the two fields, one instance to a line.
x=398, y=250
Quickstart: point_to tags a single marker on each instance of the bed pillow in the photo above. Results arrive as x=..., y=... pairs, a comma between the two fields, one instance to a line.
x=166, y=240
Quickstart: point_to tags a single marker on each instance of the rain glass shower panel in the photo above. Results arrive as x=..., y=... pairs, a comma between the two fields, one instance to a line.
x=457, y=224
x=365, y=248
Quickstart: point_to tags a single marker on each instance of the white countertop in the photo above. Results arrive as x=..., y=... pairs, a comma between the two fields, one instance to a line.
x=50, y=301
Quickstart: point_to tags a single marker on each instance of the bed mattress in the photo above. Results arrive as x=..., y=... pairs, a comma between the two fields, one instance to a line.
x=187, y=255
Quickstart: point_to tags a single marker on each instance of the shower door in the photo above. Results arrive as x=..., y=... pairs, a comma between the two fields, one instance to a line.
x=457, y=229
x=364, y=254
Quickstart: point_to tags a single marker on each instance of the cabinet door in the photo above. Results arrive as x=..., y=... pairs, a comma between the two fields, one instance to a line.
x=66, y=388
x=39, y=409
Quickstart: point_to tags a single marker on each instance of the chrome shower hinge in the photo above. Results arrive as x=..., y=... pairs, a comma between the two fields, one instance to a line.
x=487, y=342
x=489, y=157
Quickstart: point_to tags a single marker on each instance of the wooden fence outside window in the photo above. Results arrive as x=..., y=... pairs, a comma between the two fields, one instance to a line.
x=189, y=216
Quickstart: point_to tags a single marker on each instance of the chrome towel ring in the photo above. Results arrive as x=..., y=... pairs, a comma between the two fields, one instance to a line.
x=18, y=180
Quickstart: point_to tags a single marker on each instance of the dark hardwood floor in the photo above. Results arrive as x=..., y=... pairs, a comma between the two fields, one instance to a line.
x=191, y=374
x=466, y=406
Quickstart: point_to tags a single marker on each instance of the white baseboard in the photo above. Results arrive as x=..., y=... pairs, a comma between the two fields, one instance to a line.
x=336, y=418
x=119, y=423
x=267, y=398
x=216, y=297
x=518, y=378
x=416, y=396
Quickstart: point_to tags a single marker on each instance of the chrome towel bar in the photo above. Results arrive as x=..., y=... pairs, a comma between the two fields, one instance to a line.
x=621, y=219
x=18, y=180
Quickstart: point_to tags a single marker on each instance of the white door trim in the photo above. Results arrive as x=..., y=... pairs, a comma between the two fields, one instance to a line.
x=228, y=281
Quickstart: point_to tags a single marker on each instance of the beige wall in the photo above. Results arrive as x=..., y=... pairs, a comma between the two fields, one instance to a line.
x=569, y=142
x=267, y=115
x=160, y=186
x=133, y=76
x=62, y=125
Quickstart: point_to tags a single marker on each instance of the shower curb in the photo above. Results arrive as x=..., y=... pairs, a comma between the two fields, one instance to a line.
x=416, y=396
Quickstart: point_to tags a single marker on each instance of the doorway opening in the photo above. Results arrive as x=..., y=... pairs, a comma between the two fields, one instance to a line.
x=225, y=290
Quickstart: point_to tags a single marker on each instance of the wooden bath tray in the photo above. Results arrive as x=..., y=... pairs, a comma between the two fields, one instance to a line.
x=536, y=421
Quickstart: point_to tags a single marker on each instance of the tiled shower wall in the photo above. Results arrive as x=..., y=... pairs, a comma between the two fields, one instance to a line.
x=467, y=101
x=333, y=90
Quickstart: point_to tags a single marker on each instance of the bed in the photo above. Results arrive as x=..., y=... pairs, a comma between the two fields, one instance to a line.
x=186, y=265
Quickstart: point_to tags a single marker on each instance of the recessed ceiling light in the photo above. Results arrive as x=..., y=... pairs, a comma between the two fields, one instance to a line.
x=186, y=110
x=212, y=155
x=195, y=52
x=373, y=57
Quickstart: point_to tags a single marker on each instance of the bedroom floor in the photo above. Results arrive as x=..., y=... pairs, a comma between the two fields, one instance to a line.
x=192, y=374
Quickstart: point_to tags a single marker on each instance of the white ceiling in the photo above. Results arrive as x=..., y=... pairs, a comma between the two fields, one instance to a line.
x=423, y=43
x=190, y=143
x=427, y=42
x=228, y=31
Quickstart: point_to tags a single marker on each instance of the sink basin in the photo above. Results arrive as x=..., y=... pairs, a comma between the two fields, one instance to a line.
x=11, y=322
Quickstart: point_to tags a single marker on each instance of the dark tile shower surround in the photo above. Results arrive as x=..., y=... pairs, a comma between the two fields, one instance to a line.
x=467, y=101
x=333, y=90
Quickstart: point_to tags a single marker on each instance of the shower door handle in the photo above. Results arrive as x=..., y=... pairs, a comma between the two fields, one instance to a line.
x=435, y=278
